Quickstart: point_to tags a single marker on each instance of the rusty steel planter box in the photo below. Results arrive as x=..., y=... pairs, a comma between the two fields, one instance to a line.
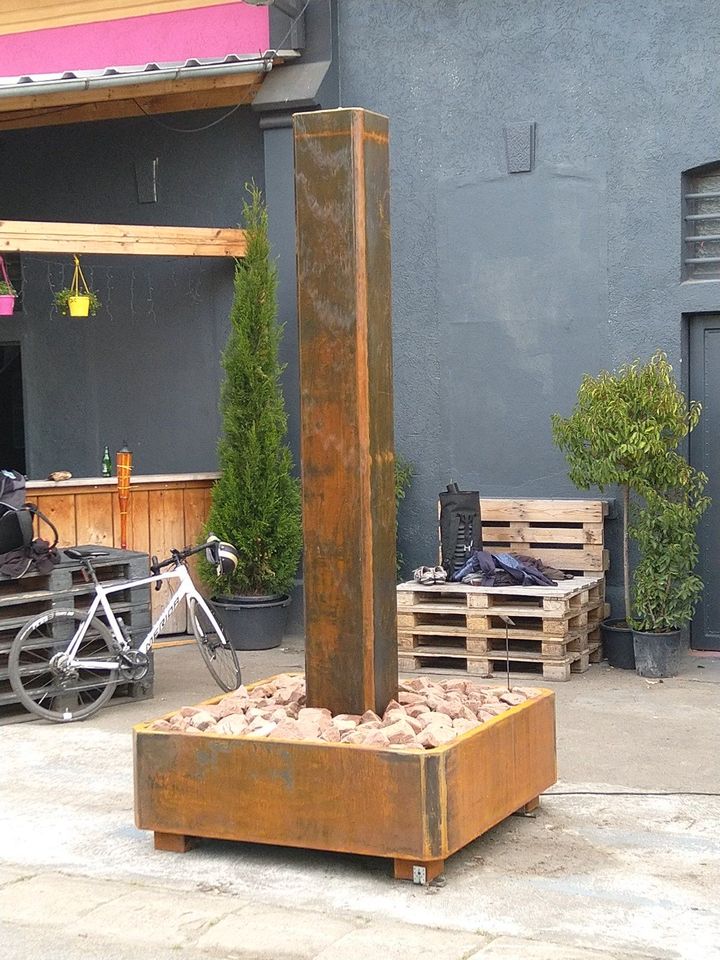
x=414, y=806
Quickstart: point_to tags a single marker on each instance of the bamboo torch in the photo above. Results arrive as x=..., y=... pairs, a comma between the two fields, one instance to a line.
x=123, y=462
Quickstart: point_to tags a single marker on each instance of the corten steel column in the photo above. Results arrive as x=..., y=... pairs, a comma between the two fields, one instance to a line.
x=343, y=266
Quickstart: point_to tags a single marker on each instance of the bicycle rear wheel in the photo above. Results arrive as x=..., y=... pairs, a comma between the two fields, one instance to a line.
x=217, y=651
x=43, y=680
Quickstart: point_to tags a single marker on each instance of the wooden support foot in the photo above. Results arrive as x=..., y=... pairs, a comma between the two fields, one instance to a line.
x=419, y=871
x=529, y=807
x=172, y=842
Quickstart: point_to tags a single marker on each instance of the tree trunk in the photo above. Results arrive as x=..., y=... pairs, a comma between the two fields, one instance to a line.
x=626, y=550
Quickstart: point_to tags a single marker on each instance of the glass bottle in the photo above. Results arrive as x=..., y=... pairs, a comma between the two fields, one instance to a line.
x=106, y=466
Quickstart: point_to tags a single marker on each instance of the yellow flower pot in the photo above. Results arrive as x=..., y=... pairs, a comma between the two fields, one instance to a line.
x=79, y=306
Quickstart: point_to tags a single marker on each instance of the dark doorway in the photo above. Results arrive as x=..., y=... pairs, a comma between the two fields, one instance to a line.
x=704, y=385
x=12, y=420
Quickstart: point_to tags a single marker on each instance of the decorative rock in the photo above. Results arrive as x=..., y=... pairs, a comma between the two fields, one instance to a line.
x=496, y=708
x=513, y=697
x=406, y=698
x=370, y=717
x=343, y=725
x=331, y=735
x=289, y=729
x=400, y=732
x=434, y=736
x=202, y=720
x=161, y=725
x=426, y=714
x=393, y=716
x=233, y=724
x=417, y=709
x=264, y=730
x=317, y=715
x=462, y=725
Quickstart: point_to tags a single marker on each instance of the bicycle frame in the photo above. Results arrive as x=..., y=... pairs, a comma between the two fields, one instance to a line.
x=186, y=590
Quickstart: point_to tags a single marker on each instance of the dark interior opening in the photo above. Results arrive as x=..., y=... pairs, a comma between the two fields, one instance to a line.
x=12, y=419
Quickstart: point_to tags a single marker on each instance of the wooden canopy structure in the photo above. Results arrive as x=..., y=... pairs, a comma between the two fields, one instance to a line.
x=40, y=109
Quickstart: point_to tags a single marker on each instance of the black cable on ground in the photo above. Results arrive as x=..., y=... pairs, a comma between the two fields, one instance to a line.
x=629, y=793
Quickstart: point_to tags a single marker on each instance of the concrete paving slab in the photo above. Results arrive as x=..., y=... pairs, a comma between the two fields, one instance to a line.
x=11, y=876
x=395, y=941
x=633, y=874
x=514, y=948
x=153, y=915
x=280, y=934
x=54, y=899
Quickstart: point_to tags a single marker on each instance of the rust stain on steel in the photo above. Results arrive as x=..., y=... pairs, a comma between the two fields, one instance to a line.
x=363, y=398
x=343, y=260
x=320, y=134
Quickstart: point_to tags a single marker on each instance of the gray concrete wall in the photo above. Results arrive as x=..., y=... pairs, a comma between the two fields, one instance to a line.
x=508, y=287
x=145, y=370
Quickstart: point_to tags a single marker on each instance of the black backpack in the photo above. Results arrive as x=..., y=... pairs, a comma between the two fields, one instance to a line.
x=460, y=527
x=19, y=552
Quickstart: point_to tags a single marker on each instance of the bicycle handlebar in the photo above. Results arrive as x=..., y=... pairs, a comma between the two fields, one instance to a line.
x=176, y=556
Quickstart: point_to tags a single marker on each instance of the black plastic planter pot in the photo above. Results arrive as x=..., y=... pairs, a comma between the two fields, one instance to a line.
x=253, y=623
x=657, y=654
x=618, y=644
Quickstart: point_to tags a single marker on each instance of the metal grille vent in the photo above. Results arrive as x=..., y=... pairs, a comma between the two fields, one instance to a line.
x=701, y=226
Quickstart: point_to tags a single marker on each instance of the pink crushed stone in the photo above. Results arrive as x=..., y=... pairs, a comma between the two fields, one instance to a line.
x=426, y=714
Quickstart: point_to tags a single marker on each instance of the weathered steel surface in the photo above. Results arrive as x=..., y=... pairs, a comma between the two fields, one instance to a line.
x=418, y=806
x=343, y=239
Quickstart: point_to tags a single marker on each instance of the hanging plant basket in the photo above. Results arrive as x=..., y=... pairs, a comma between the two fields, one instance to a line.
x=7, y=293
x=79, y=306
x=77, y=300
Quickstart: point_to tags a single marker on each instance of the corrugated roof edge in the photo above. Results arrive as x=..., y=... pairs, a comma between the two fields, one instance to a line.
x=199, y=64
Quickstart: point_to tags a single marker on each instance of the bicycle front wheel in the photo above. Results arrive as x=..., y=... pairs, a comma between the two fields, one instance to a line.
x=45, y=681
x=217, y=651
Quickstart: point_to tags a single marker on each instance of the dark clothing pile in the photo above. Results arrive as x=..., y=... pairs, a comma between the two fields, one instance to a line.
x=37, y=556
x=485, y=569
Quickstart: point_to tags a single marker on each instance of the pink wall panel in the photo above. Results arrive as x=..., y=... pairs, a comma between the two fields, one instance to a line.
x=206, y=32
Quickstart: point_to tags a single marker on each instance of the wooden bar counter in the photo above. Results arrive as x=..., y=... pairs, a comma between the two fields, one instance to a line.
x=165, y=511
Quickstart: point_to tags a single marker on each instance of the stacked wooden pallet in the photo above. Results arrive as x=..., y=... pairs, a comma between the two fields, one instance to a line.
x=65, y=587
x=453, y=625
x=553, y=631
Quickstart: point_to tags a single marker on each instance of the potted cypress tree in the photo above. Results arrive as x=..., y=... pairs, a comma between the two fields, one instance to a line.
x=256, y=500
x=625, y=430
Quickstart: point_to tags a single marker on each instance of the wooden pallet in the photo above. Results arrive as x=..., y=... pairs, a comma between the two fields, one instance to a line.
x=565, y=534
x=461, y=627
x=65, y=587
x=439, y=660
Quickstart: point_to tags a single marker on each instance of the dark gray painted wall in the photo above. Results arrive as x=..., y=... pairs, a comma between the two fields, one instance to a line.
x=507, y=288
x=146, y=369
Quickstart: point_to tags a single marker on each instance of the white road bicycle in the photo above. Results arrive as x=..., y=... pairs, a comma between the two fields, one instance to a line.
x=65, y=664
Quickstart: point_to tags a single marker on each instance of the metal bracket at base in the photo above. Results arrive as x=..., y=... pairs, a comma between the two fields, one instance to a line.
x=419, y=874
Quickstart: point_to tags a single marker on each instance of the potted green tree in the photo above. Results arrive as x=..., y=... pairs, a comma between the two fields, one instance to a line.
x=625, y=430
x=666, y=588
x=256, y=500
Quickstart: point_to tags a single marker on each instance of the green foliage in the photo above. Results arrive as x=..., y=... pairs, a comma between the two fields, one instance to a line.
x=625, y=429
x=62, y=296
x=404, y=472
x=666, y=590
x=626, y=426
x=7, y=289
x=256, y=501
